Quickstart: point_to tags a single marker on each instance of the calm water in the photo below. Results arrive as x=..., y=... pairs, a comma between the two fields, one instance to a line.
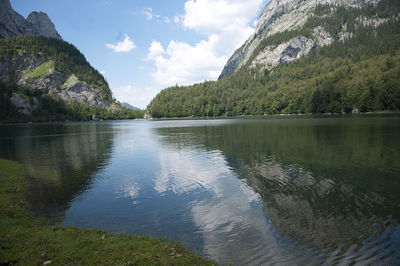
x=268, y=191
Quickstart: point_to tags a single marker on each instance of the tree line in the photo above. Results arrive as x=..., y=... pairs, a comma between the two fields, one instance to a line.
x=54, y=109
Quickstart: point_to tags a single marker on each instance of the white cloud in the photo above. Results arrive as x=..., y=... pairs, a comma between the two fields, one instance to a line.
x=138, y=97
x=212, y=16
x=126, y=45
x=148, y=12
x=226, y=24
x=103, y=72
x=182, y=63
x=177, y=19
x=155, y=50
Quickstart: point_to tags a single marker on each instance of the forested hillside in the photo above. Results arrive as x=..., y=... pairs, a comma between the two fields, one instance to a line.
x=37, y=72
x=360, y=71
x=67, y=59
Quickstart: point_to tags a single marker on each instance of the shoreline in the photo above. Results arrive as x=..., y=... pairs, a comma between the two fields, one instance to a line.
x=321, y=115
x=25, y=239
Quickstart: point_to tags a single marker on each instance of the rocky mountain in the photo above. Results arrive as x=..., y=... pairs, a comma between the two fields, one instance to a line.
x=13, y=24
x=280, y=16
x=43, y=77
x=39, y=72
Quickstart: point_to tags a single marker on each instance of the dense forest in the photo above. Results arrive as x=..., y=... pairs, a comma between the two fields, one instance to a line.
x=362, y=72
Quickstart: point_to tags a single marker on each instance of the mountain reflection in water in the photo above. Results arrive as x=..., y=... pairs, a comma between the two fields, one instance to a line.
x=59, y=159
x=268, y=191
x=331, y=184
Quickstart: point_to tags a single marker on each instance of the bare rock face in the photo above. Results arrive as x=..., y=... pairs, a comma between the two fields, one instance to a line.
x=322, y=37
x=279, y=16
x=297, y=47
x=24, y=105
x=272, y=56
x=42, y=23
x=75, y=90
x=13, y=24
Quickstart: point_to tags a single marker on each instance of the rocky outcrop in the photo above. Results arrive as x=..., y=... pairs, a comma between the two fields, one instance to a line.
x=295, y=48
x=75, y=90
x=37, y=72
x=361, y=3
x=13, y=24
x=271, y=56
x=279, y=16
x=24, y=105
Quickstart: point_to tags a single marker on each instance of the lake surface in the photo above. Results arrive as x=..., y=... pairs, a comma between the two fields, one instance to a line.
x=269, y=191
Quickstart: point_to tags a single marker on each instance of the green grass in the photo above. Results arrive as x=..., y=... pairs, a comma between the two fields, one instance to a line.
x=29, y=240
x=43, y=70
x=71, y=81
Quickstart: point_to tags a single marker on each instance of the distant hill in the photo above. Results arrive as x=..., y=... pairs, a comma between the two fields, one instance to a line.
x=306, y=56
x=45, y=78
x=127, y=105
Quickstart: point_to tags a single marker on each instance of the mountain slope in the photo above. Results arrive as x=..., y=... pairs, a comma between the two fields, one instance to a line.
x=53, y=67
x=43, y=77
x=287, y=16
x=358, y=70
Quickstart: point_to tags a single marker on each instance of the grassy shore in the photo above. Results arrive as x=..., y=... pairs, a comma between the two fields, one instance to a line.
x=29, y=240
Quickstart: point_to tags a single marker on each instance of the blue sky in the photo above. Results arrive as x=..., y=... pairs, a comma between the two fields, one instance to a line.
x=143, y=46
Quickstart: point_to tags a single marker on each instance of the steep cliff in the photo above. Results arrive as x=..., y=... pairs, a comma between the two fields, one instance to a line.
x=42, y=23
x=13, y=24
x=288, y=16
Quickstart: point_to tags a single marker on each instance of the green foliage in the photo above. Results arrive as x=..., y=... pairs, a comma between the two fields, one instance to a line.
x=323, y=9
x=27, y=240
x=53, y=109
x=66, y=57
x=362, y=72
x=43, y=70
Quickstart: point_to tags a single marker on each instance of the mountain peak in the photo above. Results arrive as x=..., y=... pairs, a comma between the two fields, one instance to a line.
x=43, y=24
x=13, y=24
x=5, y=4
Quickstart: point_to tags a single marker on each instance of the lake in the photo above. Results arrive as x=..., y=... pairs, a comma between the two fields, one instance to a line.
x=297, y=190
